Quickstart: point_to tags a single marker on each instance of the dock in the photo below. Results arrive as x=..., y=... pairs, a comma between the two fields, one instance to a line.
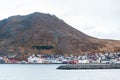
x=89, y=66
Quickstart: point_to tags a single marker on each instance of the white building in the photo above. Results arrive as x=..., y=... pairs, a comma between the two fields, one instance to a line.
x=34, y=59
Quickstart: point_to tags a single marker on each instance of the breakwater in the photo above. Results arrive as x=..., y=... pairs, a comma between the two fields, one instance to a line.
x=90, y=66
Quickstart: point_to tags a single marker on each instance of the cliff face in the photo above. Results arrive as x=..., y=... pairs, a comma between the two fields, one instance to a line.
x=45, y=33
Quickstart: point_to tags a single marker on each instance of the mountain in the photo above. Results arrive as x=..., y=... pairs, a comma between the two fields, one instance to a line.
x=45, y=33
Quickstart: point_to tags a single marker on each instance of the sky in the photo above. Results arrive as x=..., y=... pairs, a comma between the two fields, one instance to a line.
x=97, y=18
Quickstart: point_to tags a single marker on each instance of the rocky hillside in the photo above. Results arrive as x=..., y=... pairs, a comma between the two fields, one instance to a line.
x=45, y=33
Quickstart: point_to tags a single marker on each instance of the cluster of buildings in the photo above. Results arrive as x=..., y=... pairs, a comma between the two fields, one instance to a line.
x=106, y=58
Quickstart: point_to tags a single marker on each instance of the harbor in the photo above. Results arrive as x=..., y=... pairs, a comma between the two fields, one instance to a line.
x=49, y=72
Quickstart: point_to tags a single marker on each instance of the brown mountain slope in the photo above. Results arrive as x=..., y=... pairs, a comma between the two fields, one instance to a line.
x=45, y=33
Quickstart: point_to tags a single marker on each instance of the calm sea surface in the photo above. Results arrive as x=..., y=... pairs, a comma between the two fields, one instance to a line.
x=49, y=72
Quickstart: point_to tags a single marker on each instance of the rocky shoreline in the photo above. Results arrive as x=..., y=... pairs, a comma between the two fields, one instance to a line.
x=89, y=66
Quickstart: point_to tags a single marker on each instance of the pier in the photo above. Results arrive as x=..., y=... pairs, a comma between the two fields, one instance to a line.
x=89, y=66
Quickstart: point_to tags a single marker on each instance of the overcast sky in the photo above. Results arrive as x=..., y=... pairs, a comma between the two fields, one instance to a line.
x=98, y=18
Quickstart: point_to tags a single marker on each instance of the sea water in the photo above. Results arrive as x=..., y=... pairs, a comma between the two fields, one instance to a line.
x=49, y=72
